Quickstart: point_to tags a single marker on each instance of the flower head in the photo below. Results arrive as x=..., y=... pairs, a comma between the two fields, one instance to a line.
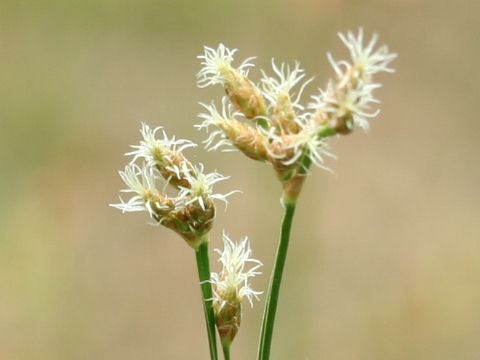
x=283, y=104
x=191, y=212
x=231, y=134
x=286, y=134
x=151, y=148
x=288, y=78
x=217, y=69
x=346, y=109
x=232, y=284
x=345, y=103
x=365, y=61
x=165, y=153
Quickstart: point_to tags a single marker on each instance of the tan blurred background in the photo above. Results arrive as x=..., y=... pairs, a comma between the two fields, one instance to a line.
x=385, y=256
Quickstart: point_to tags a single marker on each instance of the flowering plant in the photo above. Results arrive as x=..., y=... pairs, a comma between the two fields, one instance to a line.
x=267, y=123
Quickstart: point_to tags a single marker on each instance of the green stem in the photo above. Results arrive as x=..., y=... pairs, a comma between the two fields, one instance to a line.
x=226, y=352
x=203, y=267
x=290, y=202
x=275, y=281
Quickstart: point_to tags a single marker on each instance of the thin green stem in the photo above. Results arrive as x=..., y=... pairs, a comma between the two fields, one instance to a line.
x=290, y=203
x=226, y=352
x=203, y=267
x=275, y=281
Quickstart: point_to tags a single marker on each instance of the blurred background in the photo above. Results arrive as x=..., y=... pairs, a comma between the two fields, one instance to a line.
x=385, y=256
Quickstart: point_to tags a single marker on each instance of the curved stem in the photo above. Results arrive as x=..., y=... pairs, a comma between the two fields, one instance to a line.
x=203, y=267
x=275, y=281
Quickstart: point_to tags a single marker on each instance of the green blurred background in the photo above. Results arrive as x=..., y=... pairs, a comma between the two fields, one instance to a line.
x=385, y=257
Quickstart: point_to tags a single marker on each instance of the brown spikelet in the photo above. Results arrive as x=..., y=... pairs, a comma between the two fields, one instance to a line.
x=244, y=95
x=283, y=116
x=249, y=140
x=228, y=319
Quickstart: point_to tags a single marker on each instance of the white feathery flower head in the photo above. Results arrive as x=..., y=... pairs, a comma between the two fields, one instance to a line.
x=364, y=59
x=288, y=78
x=351, y=94
x=150, y=146
x=201, y=186
x=216, y=63
x=217, y=139
x=232, y=284
x=140, y=181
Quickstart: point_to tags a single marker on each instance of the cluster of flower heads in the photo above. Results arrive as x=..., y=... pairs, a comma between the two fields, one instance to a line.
x=232, y=284
x=268, y=123
x=191, y=212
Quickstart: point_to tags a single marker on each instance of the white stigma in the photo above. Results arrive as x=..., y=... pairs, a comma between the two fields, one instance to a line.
x=232, y=284
x=215, y=63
